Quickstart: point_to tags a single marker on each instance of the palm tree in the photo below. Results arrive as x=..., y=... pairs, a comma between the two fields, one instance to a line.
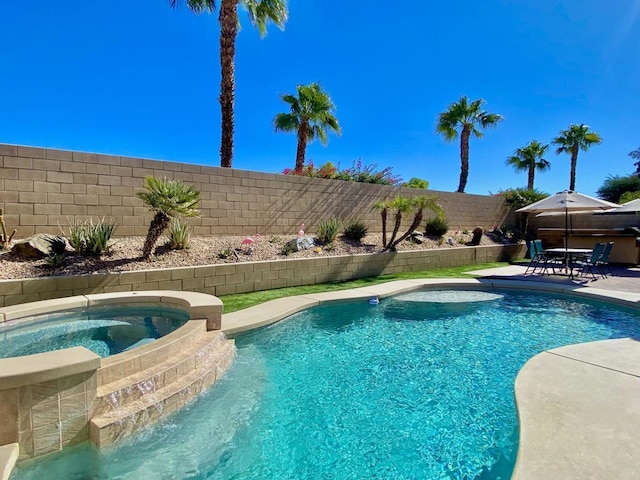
x=573, y=139
x=401, y=205
x=167, y=199
x=311, y=116
x=530, y=159
x=419, y=204
x=383, y=206
x=260, y=12
x=467, y=117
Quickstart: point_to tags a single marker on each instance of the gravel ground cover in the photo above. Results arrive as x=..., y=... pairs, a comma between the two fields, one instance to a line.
x=124, y=253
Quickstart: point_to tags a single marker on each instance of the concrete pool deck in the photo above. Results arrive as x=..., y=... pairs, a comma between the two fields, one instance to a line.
x=578, y=406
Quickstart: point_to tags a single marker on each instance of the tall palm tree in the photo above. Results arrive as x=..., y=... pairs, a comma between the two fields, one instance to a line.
x=260, y=12
x=530, y=159
x=311, y=116
x=167, y=199
x=572, y=140
x=469, y=118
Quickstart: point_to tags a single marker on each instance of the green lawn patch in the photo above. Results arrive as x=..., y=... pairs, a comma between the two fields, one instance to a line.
x=240, y=301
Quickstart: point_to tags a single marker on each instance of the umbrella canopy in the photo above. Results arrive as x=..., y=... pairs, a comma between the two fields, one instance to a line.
x=629, y=207
x=568, y=201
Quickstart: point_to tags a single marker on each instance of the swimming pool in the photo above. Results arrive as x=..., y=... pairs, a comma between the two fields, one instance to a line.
x=105, y=330
x=403, y=389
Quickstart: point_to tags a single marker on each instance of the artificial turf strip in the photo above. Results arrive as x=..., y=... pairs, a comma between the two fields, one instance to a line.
x=240, y=301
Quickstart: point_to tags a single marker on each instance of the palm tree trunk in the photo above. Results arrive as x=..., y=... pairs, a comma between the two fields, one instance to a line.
x=228, y=19
x=464, y=158
x=303, y=134
x=396, y=227
x=415, y=224
x=383, y=213
x=574, y=161
x=158, y=224
x=532, y=171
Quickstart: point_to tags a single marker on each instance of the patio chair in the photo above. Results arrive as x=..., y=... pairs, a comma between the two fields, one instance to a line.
x=585, y=265
x=536, y=257
x=548, y=261
x=604, y=259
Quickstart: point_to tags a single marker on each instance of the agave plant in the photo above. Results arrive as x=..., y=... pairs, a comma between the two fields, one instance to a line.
x=167, y=199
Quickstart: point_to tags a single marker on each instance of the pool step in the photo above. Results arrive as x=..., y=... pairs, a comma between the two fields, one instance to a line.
x=126, y=405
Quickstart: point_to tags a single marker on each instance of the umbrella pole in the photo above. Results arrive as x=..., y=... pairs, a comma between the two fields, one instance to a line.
x=566, y=228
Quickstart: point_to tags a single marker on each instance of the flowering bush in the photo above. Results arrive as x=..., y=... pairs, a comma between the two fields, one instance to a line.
x=357, y=173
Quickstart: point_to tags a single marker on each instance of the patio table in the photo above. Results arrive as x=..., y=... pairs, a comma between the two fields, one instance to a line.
x=568, y=254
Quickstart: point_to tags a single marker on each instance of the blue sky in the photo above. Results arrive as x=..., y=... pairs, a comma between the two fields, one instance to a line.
x=140, y=79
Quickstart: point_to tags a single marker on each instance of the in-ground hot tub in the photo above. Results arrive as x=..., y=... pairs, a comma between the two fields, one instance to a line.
x=63, y=397
x=105, y=330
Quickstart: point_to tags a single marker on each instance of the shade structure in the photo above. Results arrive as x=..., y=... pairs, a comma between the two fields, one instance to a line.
x=626, y=208
x=568, y=201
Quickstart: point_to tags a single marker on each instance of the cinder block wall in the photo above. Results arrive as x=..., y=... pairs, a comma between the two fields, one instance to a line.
x=225, y=279
x=41, y=188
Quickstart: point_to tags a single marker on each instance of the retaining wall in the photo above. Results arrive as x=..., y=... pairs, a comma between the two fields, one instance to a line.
x=252, y=276
x=42, y=188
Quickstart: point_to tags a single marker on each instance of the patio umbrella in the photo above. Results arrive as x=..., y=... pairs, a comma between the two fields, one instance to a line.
x=629, y=207
x=568, y=201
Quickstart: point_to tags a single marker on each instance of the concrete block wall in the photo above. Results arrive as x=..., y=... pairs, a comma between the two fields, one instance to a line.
x=252, y=276
x=41, y=188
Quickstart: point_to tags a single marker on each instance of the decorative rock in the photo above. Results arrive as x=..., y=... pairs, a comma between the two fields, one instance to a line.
x=301, y=243
x=416, y=237
x=36, y=246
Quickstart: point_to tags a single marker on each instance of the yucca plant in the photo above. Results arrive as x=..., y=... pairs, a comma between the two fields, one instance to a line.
x=167, y=199
x=97, y=236
x=179, y=234
x=76, y=235
x=328, y=230
x=355, y=230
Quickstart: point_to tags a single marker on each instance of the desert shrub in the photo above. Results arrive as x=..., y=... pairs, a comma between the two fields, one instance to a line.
x=436, y=226
x=57, y=252
x=415, y=182
x=615, y=186
x=274, y=239
x=225, y=253
x=628, y=196
x=179, y=234
x=90, y=238
x=355, y=230
x=359, y=172
x=328, y=230
x=521, y=197
x=287, y=249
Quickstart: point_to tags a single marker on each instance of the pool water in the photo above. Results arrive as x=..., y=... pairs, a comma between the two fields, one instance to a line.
x=104, y=330
x=405, y=389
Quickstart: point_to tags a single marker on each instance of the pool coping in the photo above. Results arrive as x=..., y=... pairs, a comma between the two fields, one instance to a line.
x=578, y=406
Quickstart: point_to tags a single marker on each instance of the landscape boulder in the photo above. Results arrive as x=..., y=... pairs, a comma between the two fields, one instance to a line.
x=36, y=246
x=301, y=243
